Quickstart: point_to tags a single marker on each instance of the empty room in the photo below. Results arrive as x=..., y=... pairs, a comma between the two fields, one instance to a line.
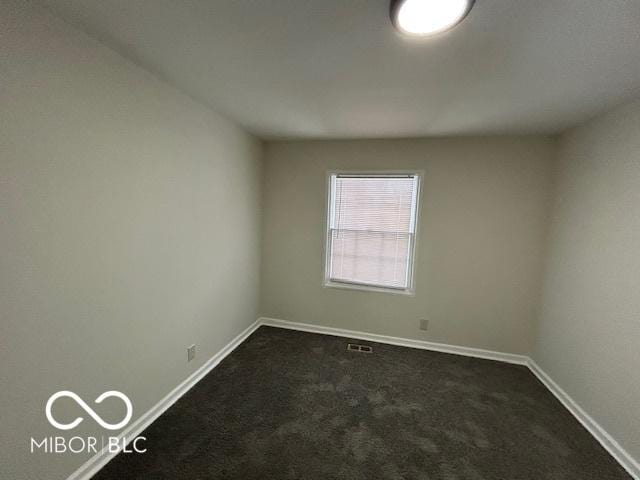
x=319, y=239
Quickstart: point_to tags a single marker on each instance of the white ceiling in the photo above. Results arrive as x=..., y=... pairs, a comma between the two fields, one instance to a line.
x=336, y=68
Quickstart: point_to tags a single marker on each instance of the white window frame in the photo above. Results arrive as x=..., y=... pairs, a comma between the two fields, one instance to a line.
x=327, y=281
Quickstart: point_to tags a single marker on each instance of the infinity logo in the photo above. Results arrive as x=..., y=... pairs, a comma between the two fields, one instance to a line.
x=89, y=410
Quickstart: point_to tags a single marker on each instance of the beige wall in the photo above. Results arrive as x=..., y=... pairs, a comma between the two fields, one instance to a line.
x=129, y=229
x=478, y=270
x=589, y=330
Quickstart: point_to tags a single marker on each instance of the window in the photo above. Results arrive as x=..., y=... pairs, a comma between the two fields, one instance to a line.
x=371, y=230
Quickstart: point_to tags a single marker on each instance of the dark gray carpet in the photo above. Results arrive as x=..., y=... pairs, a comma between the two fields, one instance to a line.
x=293, y=405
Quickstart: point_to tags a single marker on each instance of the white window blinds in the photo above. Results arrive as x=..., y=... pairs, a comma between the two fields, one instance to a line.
x=371, y=234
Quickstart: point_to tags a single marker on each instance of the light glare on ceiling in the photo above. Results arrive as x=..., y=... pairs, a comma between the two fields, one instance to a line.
x=427, y=17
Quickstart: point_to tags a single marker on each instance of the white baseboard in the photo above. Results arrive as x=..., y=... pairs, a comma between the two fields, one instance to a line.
x=607, y=441
x=403, y=342
x=94, y=464
x=100, y=459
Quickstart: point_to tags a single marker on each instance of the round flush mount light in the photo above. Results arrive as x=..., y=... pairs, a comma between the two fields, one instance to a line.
x=427, y=17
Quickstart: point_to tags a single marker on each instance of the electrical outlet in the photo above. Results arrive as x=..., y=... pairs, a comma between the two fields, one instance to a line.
x=191, y=352
x=424, y=324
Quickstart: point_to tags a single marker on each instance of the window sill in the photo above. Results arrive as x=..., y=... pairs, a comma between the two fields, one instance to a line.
x=368, y=288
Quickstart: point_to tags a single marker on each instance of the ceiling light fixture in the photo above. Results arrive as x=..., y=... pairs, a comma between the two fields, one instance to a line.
x=428, y=17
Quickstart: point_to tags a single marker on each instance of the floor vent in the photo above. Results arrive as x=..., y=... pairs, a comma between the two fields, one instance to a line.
x=354, y=347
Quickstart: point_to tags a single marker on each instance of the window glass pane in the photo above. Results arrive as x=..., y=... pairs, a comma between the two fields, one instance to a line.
x=371, y=230
x=374, y=204
x=376, y=258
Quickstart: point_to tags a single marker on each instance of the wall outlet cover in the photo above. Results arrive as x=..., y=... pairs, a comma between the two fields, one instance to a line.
x=191, y=352
x=424, y=324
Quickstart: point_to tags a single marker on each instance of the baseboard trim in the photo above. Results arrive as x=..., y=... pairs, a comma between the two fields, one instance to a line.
x=403, y=342
x=594, y=428
x=600, y=434
x=100, y=459
x=95, y=463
